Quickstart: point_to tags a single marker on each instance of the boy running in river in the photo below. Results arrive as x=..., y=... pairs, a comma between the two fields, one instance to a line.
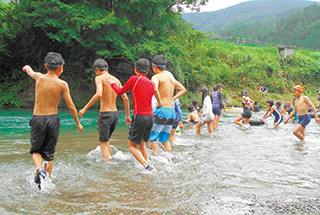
x=301, y=106
x=45, y=122
x=142, y=121
x=164, y=114
x=108, y=117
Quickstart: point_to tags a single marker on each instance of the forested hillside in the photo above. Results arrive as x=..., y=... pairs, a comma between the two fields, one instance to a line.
x=244, y=13
x=121, y=32
x=300, y=29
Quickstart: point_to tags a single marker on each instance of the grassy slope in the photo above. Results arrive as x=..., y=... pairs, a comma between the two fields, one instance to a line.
x=221, y=62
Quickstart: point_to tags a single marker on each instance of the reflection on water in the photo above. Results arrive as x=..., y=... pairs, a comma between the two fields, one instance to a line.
x=233, y=171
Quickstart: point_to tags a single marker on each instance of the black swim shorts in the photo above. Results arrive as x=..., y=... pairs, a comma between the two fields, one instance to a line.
x=44, y=135
x=246, y=113
x=106, y=124
x=140, y=128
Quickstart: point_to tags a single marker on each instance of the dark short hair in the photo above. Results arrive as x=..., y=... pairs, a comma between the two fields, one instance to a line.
x=286, y=106
x=218, y=86
x=278, y=103
x=191, y=108
x=53, y=61
x=160, y=61
x=100, y=64
x=270, y=101
x=244, y=93
x=142, y=65
x=194, y=102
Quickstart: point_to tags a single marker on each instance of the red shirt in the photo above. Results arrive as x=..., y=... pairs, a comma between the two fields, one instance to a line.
x=142, y=91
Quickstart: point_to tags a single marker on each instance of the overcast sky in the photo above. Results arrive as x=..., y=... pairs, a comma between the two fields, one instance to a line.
x=213, y=5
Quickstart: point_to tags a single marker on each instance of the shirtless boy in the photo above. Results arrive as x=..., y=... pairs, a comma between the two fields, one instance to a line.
x=108, y=117
x=142, y=121
x=165, y=114
x=193, y=115
x=45, y=122
x=301, y=106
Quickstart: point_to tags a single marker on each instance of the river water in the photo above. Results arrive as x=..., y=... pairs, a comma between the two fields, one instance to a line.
x=255, y=171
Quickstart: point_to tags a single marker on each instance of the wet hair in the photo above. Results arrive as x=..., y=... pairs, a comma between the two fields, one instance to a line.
x=270, y=101
x=218, y=86
x=278, y=103
x=142, y=65
x=205, y=92
x=244, y=93
x=195, y=102
x=100, y=64
x=191, y=108
x=53, y=61
x=160, y=61
x=286, y=106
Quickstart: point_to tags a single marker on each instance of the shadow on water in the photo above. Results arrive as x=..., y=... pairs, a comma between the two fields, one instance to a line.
x=255, y=171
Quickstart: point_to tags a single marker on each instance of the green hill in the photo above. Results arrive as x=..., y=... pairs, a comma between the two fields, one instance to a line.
x=244, y=13
x=300, y=29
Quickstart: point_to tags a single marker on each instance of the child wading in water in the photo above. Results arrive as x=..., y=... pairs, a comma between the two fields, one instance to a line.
x=206, y=111
x=301, y=106
x=45, y=122
x=193, y=115
x=142, y=121
x=272, y=109
x=246, y=114
x=217, y=105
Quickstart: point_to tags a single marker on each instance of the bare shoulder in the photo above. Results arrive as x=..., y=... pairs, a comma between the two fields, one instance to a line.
x=63, y=84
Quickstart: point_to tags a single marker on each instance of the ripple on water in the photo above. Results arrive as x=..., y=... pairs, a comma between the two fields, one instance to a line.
x=254, y=171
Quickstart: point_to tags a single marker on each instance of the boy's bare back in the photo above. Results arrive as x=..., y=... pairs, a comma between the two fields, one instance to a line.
x=109, y=96
x=166, y=86
x=48, y=91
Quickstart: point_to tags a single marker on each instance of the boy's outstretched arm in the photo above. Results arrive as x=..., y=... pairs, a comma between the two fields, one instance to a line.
x=94, y=98
x=71, y=106
x=30, y=72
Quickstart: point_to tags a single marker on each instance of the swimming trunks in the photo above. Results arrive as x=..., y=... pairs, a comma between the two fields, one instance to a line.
x=304, y=120
x=178, y=112
x=44, y=135
x=164, y=118
x=106, y=124
x=140, y=128
x=278, y=116
x=246, y=113
x=216, y=111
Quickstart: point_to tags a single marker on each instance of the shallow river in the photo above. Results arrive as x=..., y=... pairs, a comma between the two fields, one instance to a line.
x=255, y=171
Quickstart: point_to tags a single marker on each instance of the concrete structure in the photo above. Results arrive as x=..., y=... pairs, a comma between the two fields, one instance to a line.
x=285, y=51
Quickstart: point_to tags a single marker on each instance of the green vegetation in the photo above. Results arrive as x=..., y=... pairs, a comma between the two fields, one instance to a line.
x=244, y=13
x=123, y=31
x=300, y=29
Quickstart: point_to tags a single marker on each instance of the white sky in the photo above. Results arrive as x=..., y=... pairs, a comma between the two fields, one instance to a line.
x=213, y=5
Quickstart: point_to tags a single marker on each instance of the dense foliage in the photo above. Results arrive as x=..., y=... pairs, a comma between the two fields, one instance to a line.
x=82, y=30
x=125, y=31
